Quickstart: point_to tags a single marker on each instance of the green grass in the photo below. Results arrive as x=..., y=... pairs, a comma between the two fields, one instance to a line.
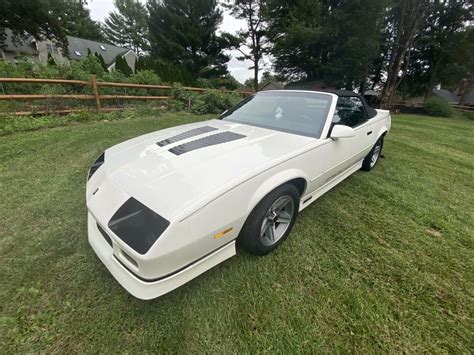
x=382, y=263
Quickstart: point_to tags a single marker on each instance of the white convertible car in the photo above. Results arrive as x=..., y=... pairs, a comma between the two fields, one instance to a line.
x=167, y=206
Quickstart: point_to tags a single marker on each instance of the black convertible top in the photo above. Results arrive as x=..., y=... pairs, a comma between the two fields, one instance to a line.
x=371, y=112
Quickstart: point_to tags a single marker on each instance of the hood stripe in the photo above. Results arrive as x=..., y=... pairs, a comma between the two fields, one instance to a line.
x=186, y=134
x=207, y=141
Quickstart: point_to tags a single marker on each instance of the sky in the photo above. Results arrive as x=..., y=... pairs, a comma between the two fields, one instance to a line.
x=239, y=69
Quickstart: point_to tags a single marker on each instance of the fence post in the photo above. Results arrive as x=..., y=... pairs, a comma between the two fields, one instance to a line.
x=95, y=92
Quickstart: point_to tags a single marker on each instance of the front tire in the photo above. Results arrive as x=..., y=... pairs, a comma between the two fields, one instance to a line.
x=271, y=221
x=374, y=156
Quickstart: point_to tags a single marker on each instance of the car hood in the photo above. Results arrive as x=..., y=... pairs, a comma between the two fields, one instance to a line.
x=170, y=183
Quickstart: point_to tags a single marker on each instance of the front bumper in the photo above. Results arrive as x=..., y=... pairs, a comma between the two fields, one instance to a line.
x=151, y=289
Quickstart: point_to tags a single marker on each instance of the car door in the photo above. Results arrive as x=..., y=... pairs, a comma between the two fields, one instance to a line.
x=343, y=153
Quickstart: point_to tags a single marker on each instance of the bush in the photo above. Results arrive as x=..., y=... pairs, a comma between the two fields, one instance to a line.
x=214, y=102
x=148, y=77
x=201, y=103
x=437, y=106
x=469, y=115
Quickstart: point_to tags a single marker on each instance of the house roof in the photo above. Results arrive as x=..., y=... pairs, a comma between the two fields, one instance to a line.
x=19, y=44
x=445, y=94
x=78, y=49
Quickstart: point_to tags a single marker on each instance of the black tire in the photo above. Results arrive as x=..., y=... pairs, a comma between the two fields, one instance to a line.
x=373, y=157
x=250, y=237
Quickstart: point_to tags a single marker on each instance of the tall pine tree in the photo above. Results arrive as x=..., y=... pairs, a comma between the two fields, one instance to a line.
x=252, y=40
x=183, y=34
x=127, y=27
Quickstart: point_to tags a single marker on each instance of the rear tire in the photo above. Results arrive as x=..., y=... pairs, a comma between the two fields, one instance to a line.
x=374, y=156
x=271, y=221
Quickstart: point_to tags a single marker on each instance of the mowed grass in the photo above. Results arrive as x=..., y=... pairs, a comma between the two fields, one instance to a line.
x=382, y=263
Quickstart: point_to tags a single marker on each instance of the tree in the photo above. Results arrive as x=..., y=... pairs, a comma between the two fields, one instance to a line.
x=436, y=56
x=52, y=19
x=51, y=61
x=127, y=27
x=34, y=18
x=253, y=38
x=121, y=65
x=75, y=20
x=101, y=61
x=404, y=20
x=183, y=35
x=330, y=40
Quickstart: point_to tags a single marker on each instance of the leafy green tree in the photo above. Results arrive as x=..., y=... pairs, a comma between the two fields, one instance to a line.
x=183, y=34
x=329, y=40
x=439, y=53
x=127, y=27
x=252, y=41
x=404, y=20
x=52, y=19
x=35, y=18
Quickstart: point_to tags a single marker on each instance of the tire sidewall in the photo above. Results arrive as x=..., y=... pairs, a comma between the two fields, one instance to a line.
x=249, y=237
x=367, y=161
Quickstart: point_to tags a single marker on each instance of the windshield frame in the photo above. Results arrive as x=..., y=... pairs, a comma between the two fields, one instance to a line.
x=316, y=135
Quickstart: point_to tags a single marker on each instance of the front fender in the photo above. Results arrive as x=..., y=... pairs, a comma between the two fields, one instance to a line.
x=273, y=182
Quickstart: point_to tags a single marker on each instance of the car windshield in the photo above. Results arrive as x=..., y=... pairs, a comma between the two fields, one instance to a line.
x=302, y=113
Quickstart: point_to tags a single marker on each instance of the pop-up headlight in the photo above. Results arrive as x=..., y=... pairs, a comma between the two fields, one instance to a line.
x=96, y=165
x=137, y=225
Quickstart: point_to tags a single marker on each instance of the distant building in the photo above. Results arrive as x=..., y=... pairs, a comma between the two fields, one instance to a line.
x=447, y=95
x=77, y=49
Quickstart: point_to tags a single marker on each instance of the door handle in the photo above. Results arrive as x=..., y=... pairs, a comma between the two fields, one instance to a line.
x=369, y=133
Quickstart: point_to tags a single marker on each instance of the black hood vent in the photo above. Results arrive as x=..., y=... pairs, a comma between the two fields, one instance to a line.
x=213, y=139
x=187, y=134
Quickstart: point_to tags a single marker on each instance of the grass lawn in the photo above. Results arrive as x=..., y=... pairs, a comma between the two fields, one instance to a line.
x=382, y=263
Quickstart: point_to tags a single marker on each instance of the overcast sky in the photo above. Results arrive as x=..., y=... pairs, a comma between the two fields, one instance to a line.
x=101, y=8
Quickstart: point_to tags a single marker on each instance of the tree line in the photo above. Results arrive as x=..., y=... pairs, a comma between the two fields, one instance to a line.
x=403, y=47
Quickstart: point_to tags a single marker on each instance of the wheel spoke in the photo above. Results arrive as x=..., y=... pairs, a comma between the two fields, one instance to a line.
x=277, y=220
x=280, y=204
x=264, y=227
x=270, y=232
x=284, y=217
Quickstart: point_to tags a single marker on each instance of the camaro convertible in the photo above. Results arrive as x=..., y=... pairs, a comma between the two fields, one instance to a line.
x=167, y=206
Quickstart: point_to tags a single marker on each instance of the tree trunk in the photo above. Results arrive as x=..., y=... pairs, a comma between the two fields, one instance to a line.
x=409, y=22
x=468, y=90
x=255, y=75
x=433, y=76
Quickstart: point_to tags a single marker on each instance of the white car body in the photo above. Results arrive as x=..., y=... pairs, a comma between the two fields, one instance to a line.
x=207, y=194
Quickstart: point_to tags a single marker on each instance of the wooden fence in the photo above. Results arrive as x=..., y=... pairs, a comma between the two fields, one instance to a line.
x=95, y=95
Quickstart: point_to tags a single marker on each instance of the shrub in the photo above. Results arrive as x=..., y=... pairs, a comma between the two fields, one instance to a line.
x=214, y=102
x=147, y=76
x=437, y=106
x=469, y=115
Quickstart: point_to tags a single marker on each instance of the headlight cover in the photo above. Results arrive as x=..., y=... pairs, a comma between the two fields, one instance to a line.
x=96, y=165
x=137, y=225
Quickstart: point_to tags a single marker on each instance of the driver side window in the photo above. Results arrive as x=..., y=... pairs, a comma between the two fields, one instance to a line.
x=350, y=111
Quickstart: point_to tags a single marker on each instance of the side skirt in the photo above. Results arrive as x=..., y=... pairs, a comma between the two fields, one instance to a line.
x=313, y=196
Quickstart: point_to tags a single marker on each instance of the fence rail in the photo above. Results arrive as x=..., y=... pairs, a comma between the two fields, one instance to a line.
x=95, y=95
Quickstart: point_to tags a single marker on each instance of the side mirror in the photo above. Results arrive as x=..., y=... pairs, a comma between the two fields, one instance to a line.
x=342, y=131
